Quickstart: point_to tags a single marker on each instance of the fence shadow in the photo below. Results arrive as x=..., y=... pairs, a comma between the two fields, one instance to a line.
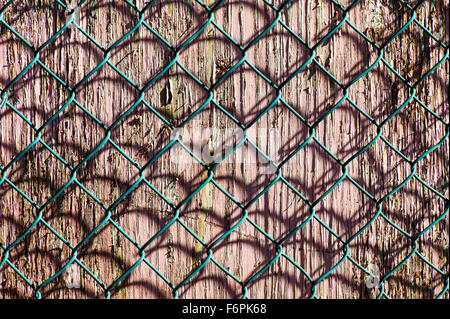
x=276, y=210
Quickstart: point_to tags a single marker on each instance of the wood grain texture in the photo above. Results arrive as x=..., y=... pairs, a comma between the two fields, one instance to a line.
x=141, y=135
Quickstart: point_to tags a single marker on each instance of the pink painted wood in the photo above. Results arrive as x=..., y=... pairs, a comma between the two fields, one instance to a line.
x=244, y=94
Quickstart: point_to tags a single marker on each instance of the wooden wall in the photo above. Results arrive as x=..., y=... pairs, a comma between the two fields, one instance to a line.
x=244, y=94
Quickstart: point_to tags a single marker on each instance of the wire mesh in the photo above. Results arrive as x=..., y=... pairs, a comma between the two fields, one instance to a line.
x=7, y=103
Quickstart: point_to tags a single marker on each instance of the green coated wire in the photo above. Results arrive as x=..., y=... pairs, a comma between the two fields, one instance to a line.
x=311, y=139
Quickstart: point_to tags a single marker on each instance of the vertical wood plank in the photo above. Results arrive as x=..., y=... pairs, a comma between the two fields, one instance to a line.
x=73, y=135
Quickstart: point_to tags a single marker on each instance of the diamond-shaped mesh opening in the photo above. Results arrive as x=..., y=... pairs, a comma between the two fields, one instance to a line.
x=25, y=18
x=246, y=106
x=306, y=168
x=257, y=10
x=210, y=214
x=315, y=249
x=277, y=139
x=115, y=251
x=75, y=128
x=106, y=95
x=352, y=283
x=416, y=65
x=15, y=55
x=346, y=54
x=278, y=65
x=74, y=219
x=417, y=136
x=311, y=21
x=305, y=178
x=211, y=140
x=211, y=277
x=176, y=248
x=287, y=280
x=144, y=283
x=71, y=56
x=176, y=96
x=152, y=57
x=414, y=207
x=209, y=68
x=160, y=16
x=152, y=214
x=119, y=19
x=39, y=174
x=385, y=93
x=176, y=175
x=279, y=211
x=33, y=95
x=371, y=172
x=435, y=176
x=38, y=264
x=312, y=93
x=135, y=133
x=141, y=134
x=252, y=173
x=14, y=227
x=432, y=91
x=358, y=208
x=12, y=139
x=114, y=169
x=336, y=131
x=253, y=250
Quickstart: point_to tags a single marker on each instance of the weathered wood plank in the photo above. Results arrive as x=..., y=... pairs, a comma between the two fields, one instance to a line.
x=244, y=94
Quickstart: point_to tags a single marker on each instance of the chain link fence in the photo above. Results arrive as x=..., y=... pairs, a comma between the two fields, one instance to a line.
x=70, y=182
